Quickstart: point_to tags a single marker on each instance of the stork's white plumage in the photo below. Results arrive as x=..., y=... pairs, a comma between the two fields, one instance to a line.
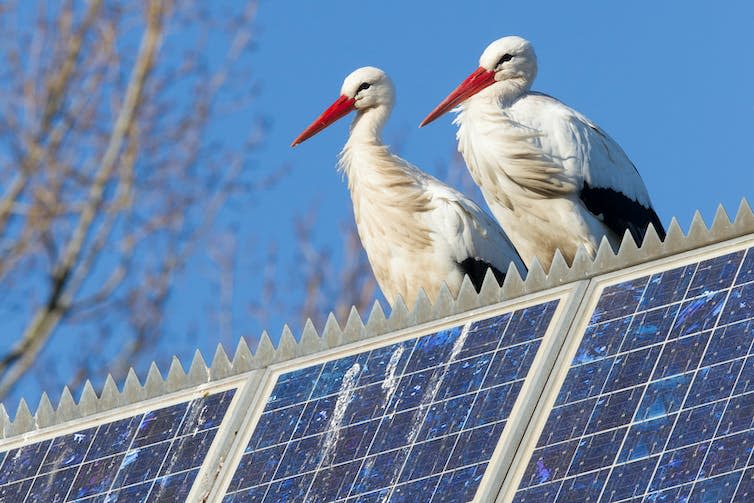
x=417, y=231
x=552, y=178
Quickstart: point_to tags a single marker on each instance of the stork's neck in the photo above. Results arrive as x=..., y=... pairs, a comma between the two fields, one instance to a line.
x=386, y=191
x=366, y=160
x=367, y=126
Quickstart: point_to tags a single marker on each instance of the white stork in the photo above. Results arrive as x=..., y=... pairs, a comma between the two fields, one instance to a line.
x=552, y=178
x=417, y=231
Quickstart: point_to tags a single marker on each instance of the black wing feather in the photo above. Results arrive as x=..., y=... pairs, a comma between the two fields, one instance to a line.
x=619, y=212
x=476, y=269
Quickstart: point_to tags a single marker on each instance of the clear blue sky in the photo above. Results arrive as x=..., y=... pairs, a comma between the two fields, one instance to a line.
x=672, y=82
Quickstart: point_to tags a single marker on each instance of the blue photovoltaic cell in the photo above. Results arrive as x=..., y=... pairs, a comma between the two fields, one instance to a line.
x=153, y=456
x=412, y=422
x=658, y=404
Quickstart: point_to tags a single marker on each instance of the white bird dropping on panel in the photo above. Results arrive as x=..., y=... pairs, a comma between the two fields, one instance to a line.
x=552, y=178
x=417, y=231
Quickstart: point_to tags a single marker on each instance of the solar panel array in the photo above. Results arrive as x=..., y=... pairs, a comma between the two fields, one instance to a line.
x=658, y=402
x=414, y=421
x=151, y=456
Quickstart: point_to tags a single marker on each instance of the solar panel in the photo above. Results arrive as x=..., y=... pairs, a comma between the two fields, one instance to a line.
x=658, y=401
x=151, y=456
x=413, y=421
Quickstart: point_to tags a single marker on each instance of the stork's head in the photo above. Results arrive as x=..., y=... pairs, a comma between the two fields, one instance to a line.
x=365, y=88
x=507, y=67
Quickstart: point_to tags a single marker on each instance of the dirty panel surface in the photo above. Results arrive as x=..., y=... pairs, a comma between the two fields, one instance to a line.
x=152, y=456
x=415, y=421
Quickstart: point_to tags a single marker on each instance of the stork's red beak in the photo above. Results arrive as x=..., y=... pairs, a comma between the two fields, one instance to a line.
x=474, y=83
x=341, y=107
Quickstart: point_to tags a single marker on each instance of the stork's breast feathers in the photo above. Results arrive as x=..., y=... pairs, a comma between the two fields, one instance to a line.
x=510, y=152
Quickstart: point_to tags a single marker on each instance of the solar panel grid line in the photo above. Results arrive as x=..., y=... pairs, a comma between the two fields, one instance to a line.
x=387, y=451
x=36, y=474
x=366, y=421
x=696, y=481
x=615, y=428
x=430, y=398
x=407, y=374
x=418, y=479
x=421, y=479
x=39, y=472
x=569, y=350
x=78, y=468
x=471, y=408
x=190, y=411
x=340, y=408
x=412, y=433
x=164, y=456
x=421, y=416
x=234, y=457
x=457, y=347
x=715, y=436
x=656, y=363
x=634, y=498
x=193, y=417
x=131, y=393
x=426, y=477
x=676, y=487
x=651, y=346
x=397, y=449
x=688, y=390
x=287, y=442
x=116, y=413
x=502, y=441
x=749, y=463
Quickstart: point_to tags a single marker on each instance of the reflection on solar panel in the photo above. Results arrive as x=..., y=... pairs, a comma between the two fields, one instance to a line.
x=414, y=421
x=152, y=456
x=658, y=403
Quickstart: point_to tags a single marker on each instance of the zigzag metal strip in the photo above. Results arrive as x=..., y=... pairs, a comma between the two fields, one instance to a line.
x=583, y=267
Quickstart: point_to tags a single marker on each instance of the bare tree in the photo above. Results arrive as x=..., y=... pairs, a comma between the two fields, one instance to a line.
x=110, y=175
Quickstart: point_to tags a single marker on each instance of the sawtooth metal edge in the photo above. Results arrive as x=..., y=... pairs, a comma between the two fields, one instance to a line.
x=311, y=342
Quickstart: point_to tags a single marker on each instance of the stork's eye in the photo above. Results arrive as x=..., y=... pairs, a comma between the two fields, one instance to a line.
x=506, y=57
x=364, y=85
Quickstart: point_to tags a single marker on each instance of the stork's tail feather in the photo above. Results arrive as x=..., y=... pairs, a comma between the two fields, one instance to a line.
x=476, y=269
